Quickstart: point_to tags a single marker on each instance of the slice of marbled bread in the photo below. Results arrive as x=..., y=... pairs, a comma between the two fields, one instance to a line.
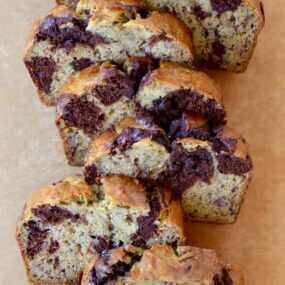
x=65, y=224
x=160, y=265
x=172, y=89
x=65, y=42
x=209, y=169
x=90, y=103
x=224, y=31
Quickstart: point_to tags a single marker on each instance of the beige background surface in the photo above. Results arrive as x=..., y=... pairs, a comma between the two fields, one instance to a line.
x=31, y=153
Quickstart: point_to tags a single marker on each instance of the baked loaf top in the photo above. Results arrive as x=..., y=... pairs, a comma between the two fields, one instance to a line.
x=119, y=191
x=172, y=89
x=130, y=265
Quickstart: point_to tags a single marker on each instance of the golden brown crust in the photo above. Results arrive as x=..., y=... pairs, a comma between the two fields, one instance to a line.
x=171, y=211
x=99, y=147
x=171, y=267
x=68, y=190
x=84, y=80
x=124, y=191
x=167, y=24
x=179, y=77
x=123, y=4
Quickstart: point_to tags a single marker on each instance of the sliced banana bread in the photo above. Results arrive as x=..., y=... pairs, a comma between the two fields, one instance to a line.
x=160, y=265
x=64, y=225
x=97, y=98
x=211, y=175
x=91, y=102
x=137, y=148
x=172, y=89
x=64, y=43
x=224, y=31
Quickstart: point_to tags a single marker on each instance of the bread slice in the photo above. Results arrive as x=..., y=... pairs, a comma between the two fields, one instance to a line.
x=91, y=102
x=136, y=148
x=65, y=224
x=224, y=32
x=65, y=42
x=172, y=89
x=160, y=265
x=211, y=174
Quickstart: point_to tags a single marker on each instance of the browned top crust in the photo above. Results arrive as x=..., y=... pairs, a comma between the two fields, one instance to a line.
x=125, y=192
x=179, y=77
x=102, y=144
x=85, y=80
x=58, y=11
x=163, y=23
x=162, y=263
x=99, y=147
x=117, y=4
x=71, y=189
x=187, y=265
x=167, y=24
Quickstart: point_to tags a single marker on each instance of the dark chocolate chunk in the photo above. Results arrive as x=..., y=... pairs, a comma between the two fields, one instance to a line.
x=226, y=278
x=80, y=113
x=178, y=129
x=36, y=239
x=225, y=145
x=80, y=64
x=146, y=229
x=54, y=214
x=56, y=262
x=218, y=48
x=101, y=243
x=221, y=6
x=188, y=268
x=114, y=87
x=90, y=174
x=221, y=202
x=104, y=273
x=200, y=13
x=53, y=247
x=60, y=35
x=155, y=206
x=157, y=38
x=172, y=105
x=228, y=164
x=186, y=168
x=138, y=68
x=131, y=135
x=41, y=70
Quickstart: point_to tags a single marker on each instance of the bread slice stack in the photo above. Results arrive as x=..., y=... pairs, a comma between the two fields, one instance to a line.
x=150, y=133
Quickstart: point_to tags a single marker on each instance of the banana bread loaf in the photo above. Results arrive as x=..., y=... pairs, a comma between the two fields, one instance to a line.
x=224, y=32
x=64, y=43
x=64, y=225
x=210, y=174
x=160, y=265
